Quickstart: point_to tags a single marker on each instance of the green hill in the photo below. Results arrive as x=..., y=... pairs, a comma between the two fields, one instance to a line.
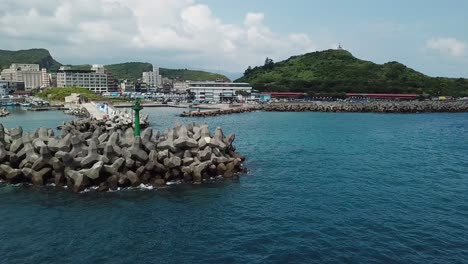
x=31, y=56
x=338, y=71
x=134, y=70
x=129, y=70
x=191, y=75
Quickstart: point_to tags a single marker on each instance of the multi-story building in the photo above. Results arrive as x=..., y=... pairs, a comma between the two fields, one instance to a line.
x=4, y=88
x=94, y=80
x=180, y=87
x=153, y=79
x=8, y=87
x=127, y=86
x=112, y=84
x=29, y=74
x=217, y=91
x=45, y=78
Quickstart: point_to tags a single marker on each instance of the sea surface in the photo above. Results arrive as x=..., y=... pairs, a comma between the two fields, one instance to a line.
x=321, y=188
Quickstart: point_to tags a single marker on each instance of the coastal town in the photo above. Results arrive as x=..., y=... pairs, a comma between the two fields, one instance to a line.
x=217, y=131
x=20, y=81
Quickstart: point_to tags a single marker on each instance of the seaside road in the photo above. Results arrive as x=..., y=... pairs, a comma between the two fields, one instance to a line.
x=94, y=111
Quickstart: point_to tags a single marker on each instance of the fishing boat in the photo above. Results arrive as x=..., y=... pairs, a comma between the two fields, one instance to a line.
x=8, y=103
x=26, y=105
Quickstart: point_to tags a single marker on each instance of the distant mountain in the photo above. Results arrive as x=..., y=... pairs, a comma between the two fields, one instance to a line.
x=129, y=70
x=338, y=71
x=32, y=56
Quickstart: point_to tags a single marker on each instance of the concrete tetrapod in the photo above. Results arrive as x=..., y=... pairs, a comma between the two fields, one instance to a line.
x=83, y=158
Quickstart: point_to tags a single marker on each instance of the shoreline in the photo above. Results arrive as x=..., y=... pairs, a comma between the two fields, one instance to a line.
x=344, y=107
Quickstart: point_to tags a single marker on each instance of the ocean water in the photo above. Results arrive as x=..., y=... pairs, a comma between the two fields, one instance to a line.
x=321, y=188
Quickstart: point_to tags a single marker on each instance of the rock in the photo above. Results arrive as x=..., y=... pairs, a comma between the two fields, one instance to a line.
x=9, y=173
x=17, y=140
x=103, y=187
x=92, y=156
x=217, y=140
x=115, y=167
x=136, y=151
x=78, y=180
x=146, y=136
x=94, y=172
x=183, y=141
x=172, y=162
x=77, y=147
x=162, y=155
x=205, y=154
x=133, y=178
x=60, y=144
x=112, y=181
x=187, y=161
x=197, y=172
x=159, y=183
x=45, y=158
x=168, y=144
x=36, y=177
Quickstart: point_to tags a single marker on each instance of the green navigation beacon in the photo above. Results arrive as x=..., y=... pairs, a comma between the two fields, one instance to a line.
x=137, y=107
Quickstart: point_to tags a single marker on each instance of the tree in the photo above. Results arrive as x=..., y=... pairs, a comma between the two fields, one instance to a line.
x=248, y=71
x=268, y=63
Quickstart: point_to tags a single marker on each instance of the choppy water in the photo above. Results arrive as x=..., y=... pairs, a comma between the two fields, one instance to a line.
x=328, y=188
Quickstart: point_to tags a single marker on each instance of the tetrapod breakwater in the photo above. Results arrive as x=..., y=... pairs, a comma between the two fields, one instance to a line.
x=90, y=155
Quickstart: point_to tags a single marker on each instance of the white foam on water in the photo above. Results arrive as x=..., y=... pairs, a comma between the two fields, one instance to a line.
x=173, y=183
x=145, y=187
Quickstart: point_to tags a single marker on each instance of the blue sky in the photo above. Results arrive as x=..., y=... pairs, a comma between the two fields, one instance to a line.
x=379, y=31
x=429, y=36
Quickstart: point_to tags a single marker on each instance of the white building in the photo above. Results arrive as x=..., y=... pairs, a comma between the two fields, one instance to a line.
x=29, y=74
x=3, y=87
x=94, y=80
x=217, y=91
x=152, y=78
x=45, y=78
x=180, y=87
x=127, y=86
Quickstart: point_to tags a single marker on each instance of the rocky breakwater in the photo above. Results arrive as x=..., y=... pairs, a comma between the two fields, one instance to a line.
x=374, y=107
x=111, y=124
x=346, y=106
x=3, y=112
x=107, y=160
x=227, y=111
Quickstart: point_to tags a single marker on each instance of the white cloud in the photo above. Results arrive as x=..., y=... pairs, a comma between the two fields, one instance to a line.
x=189, y=31
x=449, y=46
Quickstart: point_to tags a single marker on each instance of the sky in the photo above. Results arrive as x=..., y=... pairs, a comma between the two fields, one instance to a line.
x=228, y=36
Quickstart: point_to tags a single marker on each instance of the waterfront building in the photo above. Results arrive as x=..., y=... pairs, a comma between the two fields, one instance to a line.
x=8, y=87
x=217, y=91
x=152, y=78
x=95, y=80
x=180, y=87
x=45, y=78
x=52, y=79
x=4, y=88
x=127, y=86
x=29, y=74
